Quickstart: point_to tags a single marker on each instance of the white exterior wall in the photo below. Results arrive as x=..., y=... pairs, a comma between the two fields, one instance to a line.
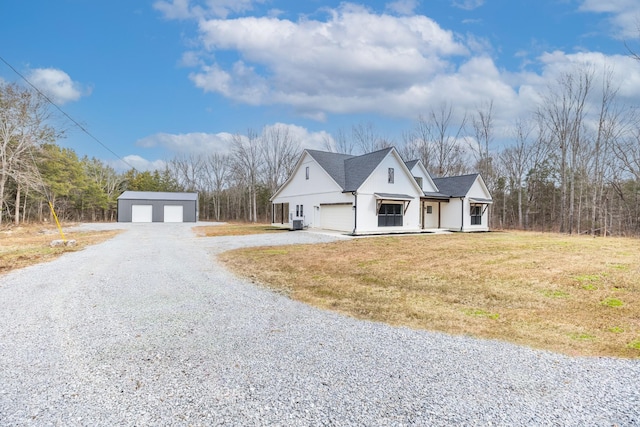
x=477, y=190
x=378, y=183
x=310, y=193
x=450, y=215
x=427, y=184
x=452, y=212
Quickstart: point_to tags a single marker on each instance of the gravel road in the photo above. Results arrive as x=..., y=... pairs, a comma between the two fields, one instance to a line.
x=148, y=329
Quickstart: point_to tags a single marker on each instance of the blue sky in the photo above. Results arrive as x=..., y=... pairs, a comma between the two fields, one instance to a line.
x=152, y=79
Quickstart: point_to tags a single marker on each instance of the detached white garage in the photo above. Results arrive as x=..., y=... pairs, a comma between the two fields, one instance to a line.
x=151, y=206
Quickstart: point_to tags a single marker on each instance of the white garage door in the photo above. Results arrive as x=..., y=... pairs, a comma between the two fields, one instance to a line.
x=336, y=217
x=141, y=213
x=173, y=214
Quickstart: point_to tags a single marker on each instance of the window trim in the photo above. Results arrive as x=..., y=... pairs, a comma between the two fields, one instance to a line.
x=391, y=215
x=476, y=214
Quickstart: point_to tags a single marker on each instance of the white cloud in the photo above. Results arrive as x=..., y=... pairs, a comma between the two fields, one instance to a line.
x=403, y=7
x=467, y=4
x=624, y=15
x=189, y=142
x=358, y=61
x=307, y=139
x=351, y=61
x=205, y=143
x=56, y=84
x=139, y=163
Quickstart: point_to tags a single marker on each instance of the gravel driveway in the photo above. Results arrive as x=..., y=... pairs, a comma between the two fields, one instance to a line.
x=148, y=329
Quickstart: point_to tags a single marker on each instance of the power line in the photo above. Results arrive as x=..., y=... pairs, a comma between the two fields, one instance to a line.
x=82, y=128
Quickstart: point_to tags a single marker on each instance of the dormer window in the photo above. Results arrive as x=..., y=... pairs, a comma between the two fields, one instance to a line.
x=390, y=176
x=307, y=172
x=419, y=181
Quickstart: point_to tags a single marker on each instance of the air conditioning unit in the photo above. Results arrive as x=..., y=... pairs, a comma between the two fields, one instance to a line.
x=297, y=224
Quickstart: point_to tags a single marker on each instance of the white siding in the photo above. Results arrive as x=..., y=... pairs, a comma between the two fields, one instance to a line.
x=427, y=183
x=319, y=189
x=477, y=190
x=378, y=183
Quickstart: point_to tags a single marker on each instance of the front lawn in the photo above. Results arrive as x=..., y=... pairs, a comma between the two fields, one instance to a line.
x=571, y=294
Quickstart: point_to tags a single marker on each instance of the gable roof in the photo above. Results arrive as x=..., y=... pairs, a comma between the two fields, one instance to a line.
x=456, y=186
x=411, y=164
x=349, y=171
x=157, y=195
x=358, y=169
x=332, y=163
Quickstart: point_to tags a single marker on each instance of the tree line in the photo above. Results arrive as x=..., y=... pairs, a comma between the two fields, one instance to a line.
x=572, y=165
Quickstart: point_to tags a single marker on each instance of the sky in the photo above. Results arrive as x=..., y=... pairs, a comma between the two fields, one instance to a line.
x=152, y=79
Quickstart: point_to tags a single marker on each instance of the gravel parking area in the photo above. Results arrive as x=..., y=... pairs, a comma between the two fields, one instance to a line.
x=147, y=329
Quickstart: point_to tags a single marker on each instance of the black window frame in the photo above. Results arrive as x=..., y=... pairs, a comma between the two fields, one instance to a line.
x=391, y=215
x=307, y=172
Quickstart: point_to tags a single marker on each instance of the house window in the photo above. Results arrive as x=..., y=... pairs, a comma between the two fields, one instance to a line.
x=390, y=176
x=476, y=215
x=299, y=211
x=429, y=209
x=390, y=215
x=418, y=180
x=307, y=172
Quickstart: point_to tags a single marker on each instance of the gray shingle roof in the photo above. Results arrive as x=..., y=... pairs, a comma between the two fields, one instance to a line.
x=333, y=163
x=358, y=169
x=455, y=186
x=349, y=171
x=157, y=195
x=411, y=164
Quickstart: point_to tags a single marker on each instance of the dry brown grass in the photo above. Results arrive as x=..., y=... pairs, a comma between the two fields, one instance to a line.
x=29, y=244
x=574, y=295
x=236, y=229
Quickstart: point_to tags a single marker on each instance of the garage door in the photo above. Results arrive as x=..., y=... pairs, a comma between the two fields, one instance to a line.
x=336, y=217
x=141, y=213
x=173, y=214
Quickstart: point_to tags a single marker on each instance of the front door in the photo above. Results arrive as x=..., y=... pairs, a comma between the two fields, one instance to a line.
x=430, y=215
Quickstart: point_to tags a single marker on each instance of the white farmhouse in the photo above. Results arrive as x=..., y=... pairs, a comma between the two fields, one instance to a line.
x=377, y=193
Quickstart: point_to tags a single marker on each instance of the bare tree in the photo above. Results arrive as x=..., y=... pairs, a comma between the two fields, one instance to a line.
x=563, y=111
x=279, y=152
x=437, y=142
x=447, y=137
x=248, y=161
x=217, y=172
x=367, y=139
x=612, y=124
x=23, y=128
x=340, y=143
x=188, y=171
x=482, y=123
x=516, y=160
